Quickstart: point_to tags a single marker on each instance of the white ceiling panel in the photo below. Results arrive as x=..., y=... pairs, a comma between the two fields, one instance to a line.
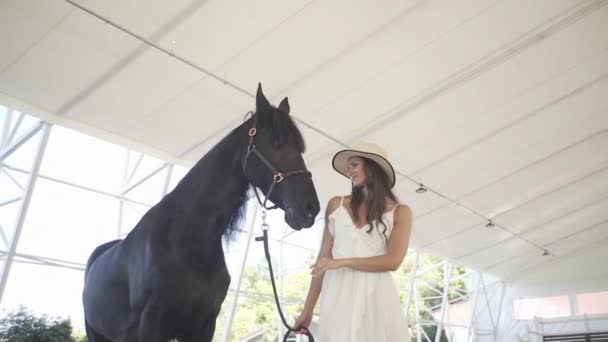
x=23, y=23
x=478, y=118
x=584, y=192
x=571, y=222
x=495, y=255
x=428, y=73
x=381, y=51
x=562, y=250
x=204, y=116
x=220, y=31
x=296, y=52
x=521, y=145
x=442, y=223
x=151, y=19
x=150, y=81
x=584, y=157
x=519, y=263
x=70, y=58
x=574, y=44
x=207, y=108
x=420, y=204
x=576, y=241
x=465, y=242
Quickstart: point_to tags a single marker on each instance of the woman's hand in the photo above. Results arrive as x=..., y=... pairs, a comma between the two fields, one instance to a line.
x=303, y=322
x=323, y=264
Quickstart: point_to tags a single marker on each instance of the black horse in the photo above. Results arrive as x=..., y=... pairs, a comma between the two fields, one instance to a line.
x=168, y=278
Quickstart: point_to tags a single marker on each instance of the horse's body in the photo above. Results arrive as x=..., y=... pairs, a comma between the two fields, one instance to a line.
x=168, y=277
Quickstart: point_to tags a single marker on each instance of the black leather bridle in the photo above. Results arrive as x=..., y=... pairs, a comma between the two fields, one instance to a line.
x=277, y=177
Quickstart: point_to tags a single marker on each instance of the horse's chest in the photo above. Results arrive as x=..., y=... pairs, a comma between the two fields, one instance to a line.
x=190, y=287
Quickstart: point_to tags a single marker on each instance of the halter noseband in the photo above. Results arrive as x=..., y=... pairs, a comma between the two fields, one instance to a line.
x=277, y=176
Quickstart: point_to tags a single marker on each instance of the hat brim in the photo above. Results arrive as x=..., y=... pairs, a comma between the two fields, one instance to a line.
x=340, y=163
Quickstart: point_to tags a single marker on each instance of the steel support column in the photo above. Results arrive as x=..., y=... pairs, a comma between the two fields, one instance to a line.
x=25, y=202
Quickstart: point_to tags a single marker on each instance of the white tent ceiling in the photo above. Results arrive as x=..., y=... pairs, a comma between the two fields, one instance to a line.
x=499, y=107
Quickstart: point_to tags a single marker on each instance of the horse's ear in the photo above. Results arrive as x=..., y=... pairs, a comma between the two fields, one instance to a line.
x=284, y=106
x=261, y=103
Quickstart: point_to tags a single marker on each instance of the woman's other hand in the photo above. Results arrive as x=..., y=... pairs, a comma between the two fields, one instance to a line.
x=323, y=264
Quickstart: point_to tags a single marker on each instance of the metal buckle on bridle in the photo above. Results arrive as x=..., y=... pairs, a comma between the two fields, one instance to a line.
x=264, y=239
x=265, y=225
x=278, y=177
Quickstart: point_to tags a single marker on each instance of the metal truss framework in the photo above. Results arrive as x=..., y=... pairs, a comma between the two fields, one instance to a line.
x=534, y=329
x=538, y=327
x=8, y=145
x=482, y=301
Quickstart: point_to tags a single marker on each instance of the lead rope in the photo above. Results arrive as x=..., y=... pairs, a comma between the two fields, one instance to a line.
x=264, y=239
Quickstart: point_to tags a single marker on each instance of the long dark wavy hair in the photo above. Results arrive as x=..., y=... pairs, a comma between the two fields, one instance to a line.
x=378, y=188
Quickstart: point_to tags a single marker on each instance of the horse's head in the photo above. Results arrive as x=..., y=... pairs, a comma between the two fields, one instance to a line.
x=274, y=162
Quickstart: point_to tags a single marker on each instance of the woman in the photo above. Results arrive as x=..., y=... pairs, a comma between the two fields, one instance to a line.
x=366, y=236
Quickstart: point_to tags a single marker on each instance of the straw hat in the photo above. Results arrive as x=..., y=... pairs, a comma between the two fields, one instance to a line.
x=366, y=150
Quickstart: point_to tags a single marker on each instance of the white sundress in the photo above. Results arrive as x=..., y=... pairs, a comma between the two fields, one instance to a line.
x=359, y=306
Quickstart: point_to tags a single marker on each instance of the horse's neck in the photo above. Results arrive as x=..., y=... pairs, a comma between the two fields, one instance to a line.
x=211, y=194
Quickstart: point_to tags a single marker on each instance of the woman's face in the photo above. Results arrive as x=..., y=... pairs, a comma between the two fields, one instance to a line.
x=356, y=171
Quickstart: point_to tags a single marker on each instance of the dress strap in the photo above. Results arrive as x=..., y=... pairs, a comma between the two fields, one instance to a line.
x=393, y=210
x=341, y=200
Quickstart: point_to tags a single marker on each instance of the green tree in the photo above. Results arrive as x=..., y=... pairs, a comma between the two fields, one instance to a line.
x=23, y=326
x=256, y=310
x=80, y=338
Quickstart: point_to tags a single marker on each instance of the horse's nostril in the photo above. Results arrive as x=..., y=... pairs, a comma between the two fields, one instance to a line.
x=310, y=209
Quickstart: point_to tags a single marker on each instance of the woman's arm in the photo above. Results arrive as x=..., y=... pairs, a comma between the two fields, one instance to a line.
x=324, y=252
x=396, y=250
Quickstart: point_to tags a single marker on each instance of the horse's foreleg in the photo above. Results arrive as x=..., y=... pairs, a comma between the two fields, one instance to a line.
x=151, y=328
